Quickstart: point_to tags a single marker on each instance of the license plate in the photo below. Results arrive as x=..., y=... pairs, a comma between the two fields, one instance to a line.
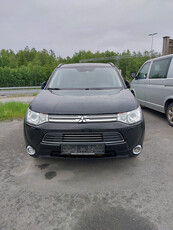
x=82, y=149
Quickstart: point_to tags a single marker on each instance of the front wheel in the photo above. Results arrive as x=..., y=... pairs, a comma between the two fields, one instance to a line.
x=169, y=114
x=133, y=155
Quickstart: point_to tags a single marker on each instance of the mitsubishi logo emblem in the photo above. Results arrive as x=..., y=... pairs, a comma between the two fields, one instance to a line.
x=81, y=119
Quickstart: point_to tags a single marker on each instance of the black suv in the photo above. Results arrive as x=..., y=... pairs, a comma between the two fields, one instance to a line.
x=84, y=110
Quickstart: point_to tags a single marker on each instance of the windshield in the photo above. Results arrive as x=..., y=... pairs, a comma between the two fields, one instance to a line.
x=85, y=77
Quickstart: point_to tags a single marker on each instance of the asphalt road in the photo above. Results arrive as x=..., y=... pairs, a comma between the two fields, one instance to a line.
x=24, y=95
x=105, y=194
x=19, y=92
x=25, y=99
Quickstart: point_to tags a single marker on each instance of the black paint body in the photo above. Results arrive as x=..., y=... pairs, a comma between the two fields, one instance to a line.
x=84, y=102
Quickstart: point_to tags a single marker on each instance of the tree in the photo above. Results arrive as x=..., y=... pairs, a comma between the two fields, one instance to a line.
x=31, y=67
x=21, y=59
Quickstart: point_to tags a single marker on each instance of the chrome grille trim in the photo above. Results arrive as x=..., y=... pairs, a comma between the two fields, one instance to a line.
x=82, y=118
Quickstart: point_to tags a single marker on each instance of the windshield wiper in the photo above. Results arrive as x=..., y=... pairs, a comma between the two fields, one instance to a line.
x=92, y=88
x=53, y=88
x=102, y=88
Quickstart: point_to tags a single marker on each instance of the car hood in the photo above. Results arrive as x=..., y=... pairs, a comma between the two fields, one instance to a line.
x=84, y=101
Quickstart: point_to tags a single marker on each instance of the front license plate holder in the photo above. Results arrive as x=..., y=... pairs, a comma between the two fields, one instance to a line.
x=97, y=149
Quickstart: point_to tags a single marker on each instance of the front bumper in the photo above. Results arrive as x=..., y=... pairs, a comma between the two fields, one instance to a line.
x=133, y=135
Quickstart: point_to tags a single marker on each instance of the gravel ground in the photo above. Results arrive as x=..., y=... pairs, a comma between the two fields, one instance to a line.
x=103, y=194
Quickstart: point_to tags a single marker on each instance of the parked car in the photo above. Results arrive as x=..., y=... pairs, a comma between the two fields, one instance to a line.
x=153, y=85
x=84, y=110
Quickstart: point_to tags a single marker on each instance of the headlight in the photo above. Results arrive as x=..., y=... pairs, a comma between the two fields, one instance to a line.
x=131, y=117
x=36, y=118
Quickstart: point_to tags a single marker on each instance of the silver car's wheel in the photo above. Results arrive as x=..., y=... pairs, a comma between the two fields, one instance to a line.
x=169, y=114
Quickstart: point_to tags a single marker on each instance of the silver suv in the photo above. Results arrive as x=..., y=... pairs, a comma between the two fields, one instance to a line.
x=153, y=85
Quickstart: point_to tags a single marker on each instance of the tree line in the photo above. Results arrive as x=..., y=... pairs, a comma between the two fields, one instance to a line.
x=30, y=67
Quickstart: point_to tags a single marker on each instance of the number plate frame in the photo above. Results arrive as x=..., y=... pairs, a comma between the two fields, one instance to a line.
x=92, y=149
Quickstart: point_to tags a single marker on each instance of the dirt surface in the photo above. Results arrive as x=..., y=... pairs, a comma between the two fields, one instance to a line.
x=103, y=194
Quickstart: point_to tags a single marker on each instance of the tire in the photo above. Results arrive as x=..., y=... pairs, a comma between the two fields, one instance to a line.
x=169, y=114
x=34, y=156
x=134, y=155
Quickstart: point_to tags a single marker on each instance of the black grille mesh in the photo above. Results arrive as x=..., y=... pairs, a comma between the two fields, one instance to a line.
x=56, y=137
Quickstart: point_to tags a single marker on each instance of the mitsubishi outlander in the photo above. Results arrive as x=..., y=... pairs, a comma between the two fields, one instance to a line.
x=84, y=110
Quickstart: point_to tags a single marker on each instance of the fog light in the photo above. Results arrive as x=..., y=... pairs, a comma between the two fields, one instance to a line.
x=30, y=150
x=137, y=149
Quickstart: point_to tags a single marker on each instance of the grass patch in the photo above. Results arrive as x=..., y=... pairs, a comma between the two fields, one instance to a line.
x=12, y=110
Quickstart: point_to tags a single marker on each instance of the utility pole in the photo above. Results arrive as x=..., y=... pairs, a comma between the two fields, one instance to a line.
x=152, y=35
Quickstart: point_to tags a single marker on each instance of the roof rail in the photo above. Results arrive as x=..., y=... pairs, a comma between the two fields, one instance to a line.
x=60, y=65
x=112, y=64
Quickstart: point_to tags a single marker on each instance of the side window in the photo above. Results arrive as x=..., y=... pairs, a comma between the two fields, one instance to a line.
x=143, y=72
x=159, y=69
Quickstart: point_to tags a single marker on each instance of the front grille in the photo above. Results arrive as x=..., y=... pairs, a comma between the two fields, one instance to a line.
x=82, y=118
x=53, y=137
x=97, y=137
x=105, y=137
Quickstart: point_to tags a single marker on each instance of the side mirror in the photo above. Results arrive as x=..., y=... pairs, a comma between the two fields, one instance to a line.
x=133, y=75
x=127, y=84
x=43, y=84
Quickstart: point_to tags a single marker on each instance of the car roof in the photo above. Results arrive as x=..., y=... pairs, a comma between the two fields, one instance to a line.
x=85, y=65
x=161, y=57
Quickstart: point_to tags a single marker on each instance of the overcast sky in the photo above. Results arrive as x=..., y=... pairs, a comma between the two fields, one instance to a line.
x=67, y=26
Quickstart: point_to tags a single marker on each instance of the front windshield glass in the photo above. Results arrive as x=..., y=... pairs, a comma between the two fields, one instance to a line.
x=85, y=77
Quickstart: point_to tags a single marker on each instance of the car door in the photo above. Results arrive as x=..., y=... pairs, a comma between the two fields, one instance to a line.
x=140, y=82
x=156, y=92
